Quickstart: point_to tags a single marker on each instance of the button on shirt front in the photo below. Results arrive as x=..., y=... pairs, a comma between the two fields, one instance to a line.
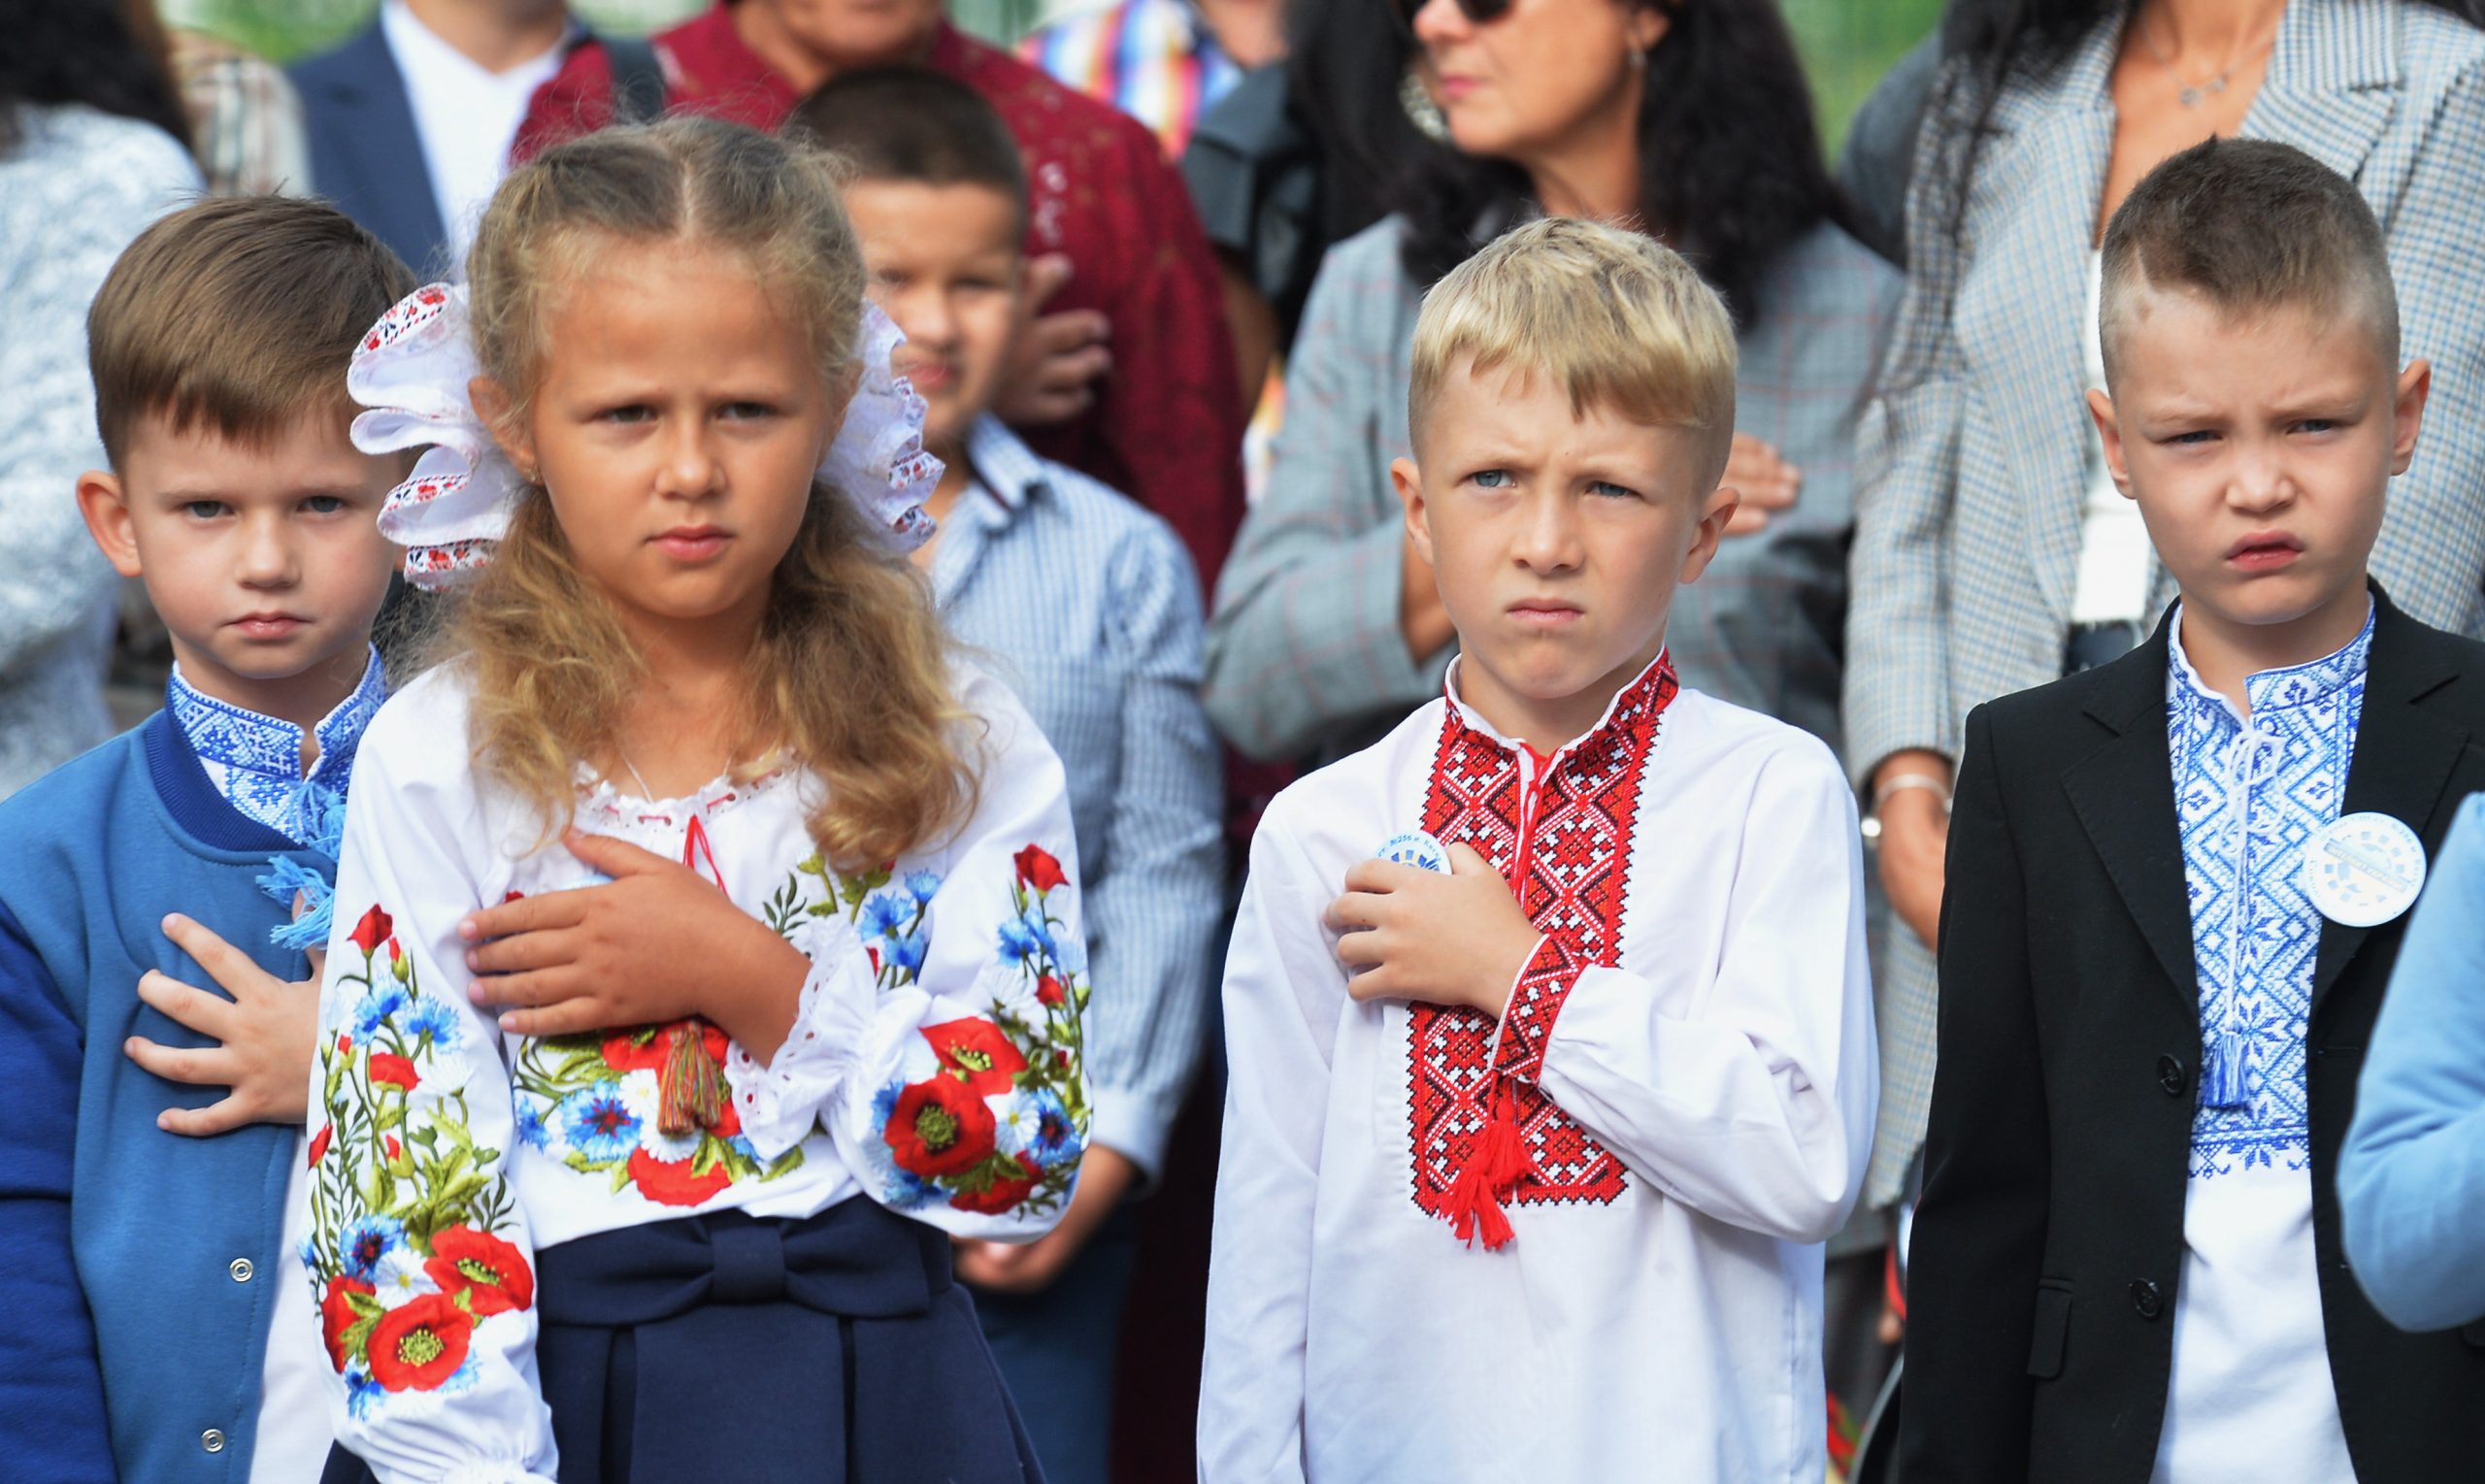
x=2251, y=1395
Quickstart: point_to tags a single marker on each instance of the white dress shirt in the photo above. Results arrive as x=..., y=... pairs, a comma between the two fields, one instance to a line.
x=1690, y=1059
x=466, y=114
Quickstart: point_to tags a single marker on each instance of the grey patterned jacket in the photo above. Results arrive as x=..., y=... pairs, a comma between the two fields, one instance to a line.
x=1973, y=456
x=76, y=188
x=1305, y=655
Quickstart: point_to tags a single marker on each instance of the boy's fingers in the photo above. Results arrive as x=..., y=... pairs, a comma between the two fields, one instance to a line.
x=1352, y=912
x=227, y=965
x=1046, y=276
x=203, y=1013
x=199, y=1122
x=1465, y=860
x=1362, y=949
x=200, y=1067
x=1382, y=877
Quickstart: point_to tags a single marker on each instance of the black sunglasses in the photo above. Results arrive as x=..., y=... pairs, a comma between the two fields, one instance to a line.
x=1476, y=12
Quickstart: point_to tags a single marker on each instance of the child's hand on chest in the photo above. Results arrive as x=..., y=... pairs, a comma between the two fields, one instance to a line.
x=1408, y=933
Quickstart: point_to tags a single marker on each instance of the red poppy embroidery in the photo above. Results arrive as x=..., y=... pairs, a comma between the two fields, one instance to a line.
x=492, y=1274
x=1471, y=1114
x=336, y=1315
x=975, y=1050
x=1048, y=990
x=941, y=1126
x=319, y=1144
x=373, y=930
x=1038, y=870
x=420, y=1343
x=1004, y=1192
x=394, y=1070
x=670, y=1182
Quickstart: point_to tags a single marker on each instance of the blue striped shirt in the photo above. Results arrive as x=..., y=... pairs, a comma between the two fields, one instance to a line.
x=1086, y=605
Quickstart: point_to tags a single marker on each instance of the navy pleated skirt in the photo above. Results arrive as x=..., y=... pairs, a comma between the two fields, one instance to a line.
x=831, y=1350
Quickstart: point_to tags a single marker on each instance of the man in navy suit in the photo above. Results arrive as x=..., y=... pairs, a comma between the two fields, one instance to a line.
x=410, y=122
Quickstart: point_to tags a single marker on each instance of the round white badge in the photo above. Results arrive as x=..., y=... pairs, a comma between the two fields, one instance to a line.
x=2364, y=870
x=1416, y=848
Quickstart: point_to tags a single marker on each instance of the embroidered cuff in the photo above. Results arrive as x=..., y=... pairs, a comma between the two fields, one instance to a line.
x=1535, y=1002
x=782, y=1103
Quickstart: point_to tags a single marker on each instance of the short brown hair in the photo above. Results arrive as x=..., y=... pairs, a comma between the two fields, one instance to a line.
x=1615, y=318
x=915, y=126
x=240, y=313
x=2249, y=225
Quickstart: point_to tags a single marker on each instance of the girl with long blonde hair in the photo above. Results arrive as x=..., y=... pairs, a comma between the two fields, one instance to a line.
x=707, y=951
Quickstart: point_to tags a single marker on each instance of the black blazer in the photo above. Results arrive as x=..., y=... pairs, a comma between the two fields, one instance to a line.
x=2050, y=1238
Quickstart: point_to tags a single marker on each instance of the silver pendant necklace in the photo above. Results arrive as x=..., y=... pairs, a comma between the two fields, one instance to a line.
x=2194, y=95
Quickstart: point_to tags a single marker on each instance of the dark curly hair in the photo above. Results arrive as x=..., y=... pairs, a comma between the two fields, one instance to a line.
x=1730, y=160
x=1987, y=43
x=108, y=55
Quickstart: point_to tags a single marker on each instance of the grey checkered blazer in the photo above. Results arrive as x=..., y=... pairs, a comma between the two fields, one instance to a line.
x=1305, y=655
x=1973, y=456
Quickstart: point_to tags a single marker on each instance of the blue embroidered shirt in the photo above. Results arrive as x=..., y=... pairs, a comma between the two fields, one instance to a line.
x=255, y=763
x=2248, y=793
x=2250, y=1393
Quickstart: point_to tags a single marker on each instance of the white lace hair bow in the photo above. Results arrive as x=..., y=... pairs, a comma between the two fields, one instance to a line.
x=412, y=370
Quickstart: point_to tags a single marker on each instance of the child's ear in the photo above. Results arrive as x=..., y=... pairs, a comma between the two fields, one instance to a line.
x=1409, y=481
x=1715, y=512
x=495, y=406
x=105, y=505
x=2109, y=429
x=2415, y=388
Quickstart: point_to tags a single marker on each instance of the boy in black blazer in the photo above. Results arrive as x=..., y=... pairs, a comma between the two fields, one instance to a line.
x=2176, y=884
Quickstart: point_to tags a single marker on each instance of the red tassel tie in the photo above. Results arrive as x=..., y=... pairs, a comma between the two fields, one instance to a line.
x=1489, y=1177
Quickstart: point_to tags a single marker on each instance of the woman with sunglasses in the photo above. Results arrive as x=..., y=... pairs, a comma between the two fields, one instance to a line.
x=1688, y=119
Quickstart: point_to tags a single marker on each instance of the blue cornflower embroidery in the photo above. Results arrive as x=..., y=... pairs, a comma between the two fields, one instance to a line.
x=885, y=914
x=365, y=1241
x=378, y=1006
x=1020, y=943
x=923, y=884
x=1054, y=1139
x=434, y=1022
x=600, y=1123
x=362, y=1393
x=907, y=953
x=531, y=1130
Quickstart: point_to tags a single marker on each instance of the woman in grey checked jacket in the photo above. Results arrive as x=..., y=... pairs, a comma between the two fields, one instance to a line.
x=1326, y=630
x=1984, y=561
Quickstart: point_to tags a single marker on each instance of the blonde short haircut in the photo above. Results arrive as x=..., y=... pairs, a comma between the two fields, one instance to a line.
x=1615, y=318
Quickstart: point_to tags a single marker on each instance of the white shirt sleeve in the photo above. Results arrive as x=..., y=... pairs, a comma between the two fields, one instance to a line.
x=418, y=1253
x=939, y=1037
x=1284, y=991
x=1756, y=1107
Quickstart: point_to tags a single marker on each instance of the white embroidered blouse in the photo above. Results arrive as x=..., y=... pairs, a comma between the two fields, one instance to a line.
x=934, y=1065
x=1689, y=1063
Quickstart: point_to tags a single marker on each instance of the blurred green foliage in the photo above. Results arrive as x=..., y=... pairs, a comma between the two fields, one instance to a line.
x=1847, y=43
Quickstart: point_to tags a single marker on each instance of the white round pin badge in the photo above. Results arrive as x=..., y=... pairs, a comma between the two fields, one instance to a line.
x=2362, y=870
x=1416, y=848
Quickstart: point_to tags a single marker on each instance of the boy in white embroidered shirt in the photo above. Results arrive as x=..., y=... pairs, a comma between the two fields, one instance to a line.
x=1532, y=1185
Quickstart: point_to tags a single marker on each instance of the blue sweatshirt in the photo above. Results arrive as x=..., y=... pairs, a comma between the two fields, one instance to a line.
x=2411, y=1178
x=143, y=1266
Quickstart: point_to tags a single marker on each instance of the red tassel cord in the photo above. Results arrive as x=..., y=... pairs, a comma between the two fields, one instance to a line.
x=1490, y=1177
x=690, y=1087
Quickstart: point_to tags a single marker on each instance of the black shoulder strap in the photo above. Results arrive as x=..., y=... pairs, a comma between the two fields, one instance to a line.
x=637, y=80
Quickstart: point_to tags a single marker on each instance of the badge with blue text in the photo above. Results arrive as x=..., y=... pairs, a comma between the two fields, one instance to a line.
x=2362, y=870
x=1416, y=848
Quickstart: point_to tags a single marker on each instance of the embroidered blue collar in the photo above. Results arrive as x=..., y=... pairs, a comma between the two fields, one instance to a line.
x=255, y=763
x=2272, y=690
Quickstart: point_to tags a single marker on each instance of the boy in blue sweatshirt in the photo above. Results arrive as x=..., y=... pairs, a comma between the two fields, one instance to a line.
x=149, y=1128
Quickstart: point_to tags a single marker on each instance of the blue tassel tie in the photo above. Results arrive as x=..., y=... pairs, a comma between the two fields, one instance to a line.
x=319, y=824
x=2226, y=1081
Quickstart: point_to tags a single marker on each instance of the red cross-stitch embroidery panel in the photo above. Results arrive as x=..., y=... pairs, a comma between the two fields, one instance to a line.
x=1572, y=875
